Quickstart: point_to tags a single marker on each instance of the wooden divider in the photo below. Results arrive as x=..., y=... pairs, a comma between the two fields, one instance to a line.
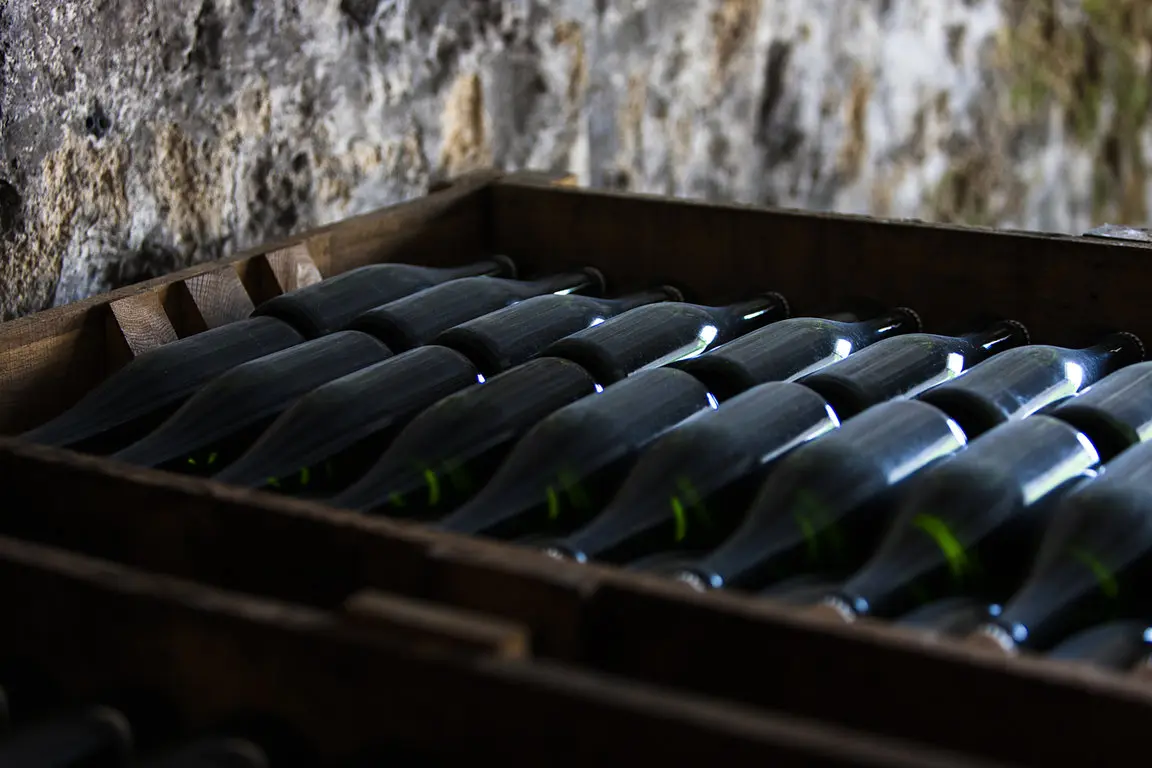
x=351, y=685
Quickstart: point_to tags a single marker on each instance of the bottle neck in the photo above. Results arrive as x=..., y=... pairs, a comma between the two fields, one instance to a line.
x=494, y=266
x=746, y=316
x=1005, y=334
x=587, y=281
x=1115, y=351
x=894, y=323
x=643, y=298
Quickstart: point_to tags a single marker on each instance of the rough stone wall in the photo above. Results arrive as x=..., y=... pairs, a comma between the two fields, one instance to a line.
x=139, y=136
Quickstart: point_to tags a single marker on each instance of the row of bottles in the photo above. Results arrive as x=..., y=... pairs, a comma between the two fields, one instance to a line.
x=131, y=728
x=851, y=462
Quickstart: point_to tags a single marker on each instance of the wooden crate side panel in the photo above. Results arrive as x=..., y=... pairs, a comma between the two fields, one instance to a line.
x=1022, y=710
x=624, y=624
x=1066, y=289
x=230, y=537
x=349, y=687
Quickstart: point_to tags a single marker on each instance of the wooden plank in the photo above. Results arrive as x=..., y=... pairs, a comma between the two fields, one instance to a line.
x=230, y=537
x=1066, y=289
x=347, y=687
x=864, y=676
x=519, y=585
x=142, y=321
x=426, y=625
x=217, y=298
x=284, y=270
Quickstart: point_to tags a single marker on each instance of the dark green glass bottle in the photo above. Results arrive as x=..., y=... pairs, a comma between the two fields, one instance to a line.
x=328, y=306
x=825, y=504
x=219, y=422
x=140, y=396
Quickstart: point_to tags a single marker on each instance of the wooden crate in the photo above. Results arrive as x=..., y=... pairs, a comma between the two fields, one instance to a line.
x=360, y=629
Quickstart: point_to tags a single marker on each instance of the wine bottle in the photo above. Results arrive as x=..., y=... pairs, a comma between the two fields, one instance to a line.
x=633, y=341
x=1093, y=564
x=250, y=742
x=214, y=753
x=1019, y=382
x=328, y=306
x=659, y=334
x=137, y=398
x=791, y=348
x=949, y=617
x=100, y=736
x=1116, y=413
x=330, y=437
x=1114, y=645
x=415, y=320
x=690, y=488
x=333, y=434
x=221, y=420
x=510, y=336
x=969, y=524
x=565, y=468
x=446, y=453
x=824, y=504
x=905, y=366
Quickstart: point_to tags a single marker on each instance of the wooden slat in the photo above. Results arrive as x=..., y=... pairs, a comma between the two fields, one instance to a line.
x=1066, y=289
x=426, y=625
x=217, y=298
x=231, y=537
x=284, y=270
x=865, y=676
x=142, y=321
x=348, y=687
x=621, y=623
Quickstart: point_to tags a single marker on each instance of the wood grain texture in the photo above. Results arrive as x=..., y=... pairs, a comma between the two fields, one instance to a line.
x=347, y=686
x=1067, y=290
x=217, y=298
x=726, y=646
x=142, y=321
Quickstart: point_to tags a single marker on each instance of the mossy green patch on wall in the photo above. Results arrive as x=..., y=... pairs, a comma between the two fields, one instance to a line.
x=1091, y=60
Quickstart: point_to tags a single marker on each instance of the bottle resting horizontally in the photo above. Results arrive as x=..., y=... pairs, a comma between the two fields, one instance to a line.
x=465, y=437
x=137, y=398
x=513, y=335
x=220, y=421
x=692, y=486
x=1094, y=562
x=415, y=320
x=590, y=444
x=660, y=334
x=791, y=349
x=825, y=504
x=330, y=436
x=566, y=467
x=330, y=305
x=1022, y=381
x=905, y=366
x=969, y=525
